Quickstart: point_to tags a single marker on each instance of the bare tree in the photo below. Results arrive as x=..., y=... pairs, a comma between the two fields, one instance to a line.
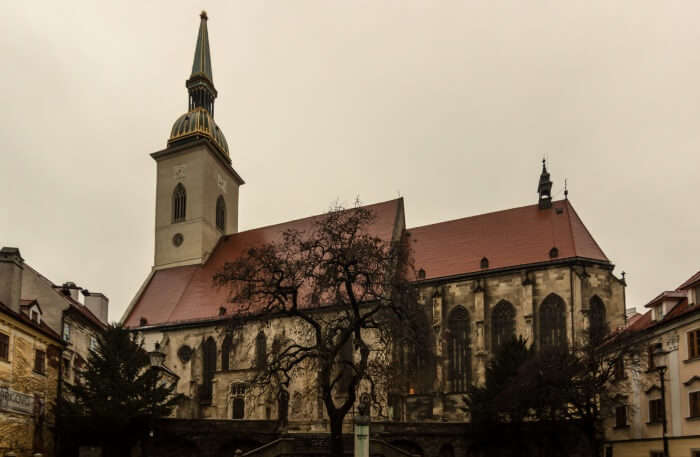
x=344, y=291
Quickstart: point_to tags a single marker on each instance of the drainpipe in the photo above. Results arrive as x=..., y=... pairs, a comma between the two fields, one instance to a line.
x=59, y=394
x=571, y=304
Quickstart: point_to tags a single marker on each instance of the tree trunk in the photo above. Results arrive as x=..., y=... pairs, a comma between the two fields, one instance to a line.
x=336, y=441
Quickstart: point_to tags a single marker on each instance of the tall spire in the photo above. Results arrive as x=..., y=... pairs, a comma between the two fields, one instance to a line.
x=544, y=188
x=201, y=83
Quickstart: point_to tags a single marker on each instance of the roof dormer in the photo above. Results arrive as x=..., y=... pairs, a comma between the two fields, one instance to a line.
x=32, y=310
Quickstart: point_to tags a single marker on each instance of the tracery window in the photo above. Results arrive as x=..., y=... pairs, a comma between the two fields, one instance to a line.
x=179, y=203
x=596, y=320
x=208, y=369
x=226, y=348
x=221, y=213
x=552, y=317
x=238, y=407
x=502, y=324
x=459, y=350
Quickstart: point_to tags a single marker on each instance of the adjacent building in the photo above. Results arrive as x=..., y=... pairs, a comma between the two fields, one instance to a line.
x=665, y=341
x=45, y=335
x=533, y=271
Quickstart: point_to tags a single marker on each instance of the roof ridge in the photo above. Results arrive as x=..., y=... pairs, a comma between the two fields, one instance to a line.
x=477, y=215
x=308, y=217
x=588, y=232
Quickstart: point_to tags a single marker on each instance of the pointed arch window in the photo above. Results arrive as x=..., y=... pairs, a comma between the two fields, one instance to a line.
x=179, y=203
x=459, y=350
x=226, y=349
x=552, y=317
x=502, y=324
x=260, y=350
x=221, y=213
x=597, y=327
x=208, y=370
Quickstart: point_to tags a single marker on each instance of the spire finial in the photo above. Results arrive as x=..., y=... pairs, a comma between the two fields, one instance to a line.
x=201, y=82
x=566, y=189
x=544, y=188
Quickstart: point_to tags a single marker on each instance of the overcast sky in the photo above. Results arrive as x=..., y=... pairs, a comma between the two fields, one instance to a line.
x=450, y=104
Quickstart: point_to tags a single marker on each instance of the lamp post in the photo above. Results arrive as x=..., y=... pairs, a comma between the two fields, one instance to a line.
x=156, y=358
x=659, y=356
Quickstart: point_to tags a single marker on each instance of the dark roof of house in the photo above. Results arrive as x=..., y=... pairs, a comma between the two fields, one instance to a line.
x=42, y=327
x=508, y=238
x=692, y=281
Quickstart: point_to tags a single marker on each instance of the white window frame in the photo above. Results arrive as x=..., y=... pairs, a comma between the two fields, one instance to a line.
x=93, y=343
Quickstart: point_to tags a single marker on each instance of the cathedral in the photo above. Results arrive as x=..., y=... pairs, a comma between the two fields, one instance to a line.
x=532, y=271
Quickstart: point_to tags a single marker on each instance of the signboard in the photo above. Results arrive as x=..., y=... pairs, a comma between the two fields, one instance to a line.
x=17, y=402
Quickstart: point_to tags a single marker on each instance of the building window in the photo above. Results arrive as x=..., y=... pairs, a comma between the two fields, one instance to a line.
x=650, y=355
x=66, y=332
x=459, y=350
x=656, y=411
x=552, y=317
x=226, y=348
x=238, y=392
x=179, y=203
x=221, y=213
x=260, y=350
x=4, y=347
x=609, y=451
x=93, y=343
x=66, y=368
x=502, y=324
x=621, y=416
x=208, y=369
x=620, y=368
x=694, y=344
x=694, y=402
x=596, y=321
x=40, y=362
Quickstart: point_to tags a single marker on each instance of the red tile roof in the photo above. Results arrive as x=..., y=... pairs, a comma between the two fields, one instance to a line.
x=187, y=293
x=669, y=295
x=693, y=280
x=512, y=237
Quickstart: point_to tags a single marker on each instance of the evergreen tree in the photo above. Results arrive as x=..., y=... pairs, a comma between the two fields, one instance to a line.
x=114, y=399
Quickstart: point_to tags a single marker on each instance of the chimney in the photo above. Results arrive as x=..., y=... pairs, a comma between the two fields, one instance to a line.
x=97, y=303
x=71, y=290
x=11, y=266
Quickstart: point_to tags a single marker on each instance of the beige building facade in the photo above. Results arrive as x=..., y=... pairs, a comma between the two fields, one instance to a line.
x=46, y=334
x=670, y=327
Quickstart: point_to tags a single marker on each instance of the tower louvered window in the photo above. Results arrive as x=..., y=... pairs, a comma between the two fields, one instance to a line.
x=459, y=350
x=221, y=213
x=552, y=317
x=597, y=328
x=179, y=203
x=502, y=324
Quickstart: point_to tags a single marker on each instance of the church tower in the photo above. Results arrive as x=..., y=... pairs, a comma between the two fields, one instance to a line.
x=197, y=188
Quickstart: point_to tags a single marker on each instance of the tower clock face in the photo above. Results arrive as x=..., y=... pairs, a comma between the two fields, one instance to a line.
x=178, y=239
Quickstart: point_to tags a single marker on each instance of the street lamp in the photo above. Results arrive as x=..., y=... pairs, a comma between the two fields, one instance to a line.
x=659, y=356
x=157, y=357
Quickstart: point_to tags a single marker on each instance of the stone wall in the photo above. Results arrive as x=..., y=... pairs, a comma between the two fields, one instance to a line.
x=575, y=283
x=30, y=430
